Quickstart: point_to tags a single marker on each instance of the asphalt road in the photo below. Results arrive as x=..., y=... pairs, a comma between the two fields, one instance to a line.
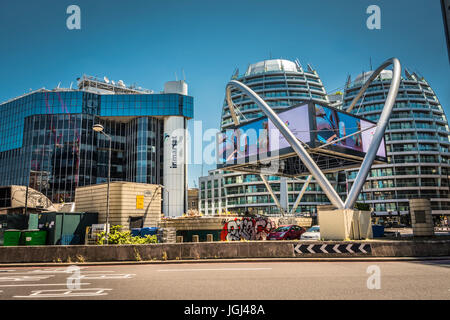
x=232, y=281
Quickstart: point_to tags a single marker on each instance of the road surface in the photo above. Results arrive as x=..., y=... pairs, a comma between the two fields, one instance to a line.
x=231, y=281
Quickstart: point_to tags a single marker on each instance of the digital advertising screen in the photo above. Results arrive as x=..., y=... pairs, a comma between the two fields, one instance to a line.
x=313, y=124
x=346, y=130
x=260, y=139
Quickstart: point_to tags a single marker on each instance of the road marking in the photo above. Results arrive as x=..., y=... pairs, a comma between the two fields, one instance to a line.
x=64, y=270
x=322, y=248
x=310, y=248
x=64, y=293
x=107, y=276
x=55, y=270
x=218, y=269
x=34, y=272
x=37, y=285
x=25, y=278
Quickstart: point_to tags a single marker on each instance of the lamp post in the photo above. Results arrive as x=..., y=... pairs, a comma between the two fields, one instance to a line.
x=101, y=129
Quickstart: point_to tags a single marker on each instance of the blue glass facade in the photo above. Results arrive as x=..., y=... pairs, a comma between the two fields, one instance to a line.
x=47, y=141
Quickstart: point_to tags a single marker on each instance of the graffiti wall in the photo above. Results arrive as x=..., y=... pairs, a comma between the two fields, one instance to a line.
x=248, y=228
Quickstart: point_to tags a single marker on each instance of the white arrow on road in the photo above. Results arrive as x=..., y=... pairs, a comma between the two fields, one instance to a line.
x=335, y=248
x=361, y=248
x=349, y=248
x=322, y=248
x=310, y=248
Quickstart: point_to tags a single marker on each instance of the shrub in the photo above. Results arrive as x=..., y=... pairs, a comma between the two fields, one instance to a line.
x=362, y=206
x=123, y=237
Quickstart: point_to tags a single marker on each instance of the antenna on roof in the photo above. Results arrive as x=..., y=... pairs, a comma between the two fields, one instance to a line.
x=106, y=79
x=71, y=85
x=419, y=74
x=235, y=74
x=370, y=59
x=58, y=85
x=184, y=76
x=176, y=78
x=349, y=81
x=113, y=83
x=408, y=75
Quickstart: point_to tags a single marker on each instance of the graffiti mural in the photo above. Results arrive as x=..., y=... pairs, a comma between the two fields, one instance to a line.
x=248, y=228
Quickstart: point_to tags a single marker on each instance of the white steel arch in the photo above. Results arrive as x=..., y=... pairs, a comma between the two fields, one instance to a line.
x=315, y=171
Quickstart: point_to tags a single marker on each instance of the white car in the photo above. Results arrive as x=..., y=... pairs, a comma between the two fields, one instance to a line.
x=312, y=233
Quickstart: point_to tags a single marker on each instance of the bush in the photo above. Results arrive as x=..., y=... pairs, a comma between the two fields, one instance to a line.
x=123, y=237
x=362, y=206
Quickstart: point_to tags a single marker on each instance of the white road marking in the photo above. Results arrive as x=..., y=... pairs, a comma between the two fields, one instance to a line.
x=107, y=276
x=64, y=293
x=37, y=285
x=218, y=269
x=25, y=278
x=34, y=272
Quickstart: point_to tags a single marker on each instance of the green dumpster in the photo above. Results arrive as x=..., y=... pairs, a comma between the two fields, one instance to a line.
x=11, y=237
x=34, y=237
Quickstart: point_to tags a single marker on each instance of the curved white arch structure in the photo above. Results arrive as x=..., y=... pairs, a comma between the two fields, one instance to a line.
x=315, y=171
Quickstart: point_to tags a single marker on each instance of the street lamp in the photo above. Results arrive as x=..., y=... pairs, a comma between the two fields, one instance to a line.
x=101, y=129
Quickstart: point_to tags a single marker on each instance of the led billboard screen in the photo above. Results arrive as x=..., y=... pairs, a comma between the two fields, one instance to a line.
x=322, y=129
x=347, y=130
x=260, y=139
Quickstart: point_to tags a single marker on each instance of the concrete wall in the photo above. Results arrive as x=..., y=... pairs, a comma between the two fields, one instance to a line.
x=345, y=224
x=421, y=208
x=214, y=250
x=122, y=202
x=217, y=223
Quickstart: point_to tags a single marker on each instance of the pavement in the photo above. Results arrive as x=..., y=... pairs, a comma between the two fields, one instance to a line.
x=408, y=232
x=281, y=280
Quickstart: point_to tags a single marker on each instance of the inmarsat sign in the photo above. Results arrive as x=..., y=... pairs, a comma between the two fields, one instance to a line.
x=334, y=138
x=174, y=152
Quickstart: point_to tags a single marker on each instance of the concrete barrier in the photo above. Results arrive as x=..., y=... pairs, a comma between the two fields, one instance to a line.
x=224, y=250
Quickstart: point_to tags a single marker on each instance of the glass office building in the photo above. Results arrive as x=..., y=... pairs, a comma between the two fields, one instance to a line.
x=47, y=141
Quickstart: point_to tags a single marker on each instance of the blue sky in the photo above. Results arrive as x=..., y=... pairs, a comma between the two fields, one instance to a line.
x=147, y=42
